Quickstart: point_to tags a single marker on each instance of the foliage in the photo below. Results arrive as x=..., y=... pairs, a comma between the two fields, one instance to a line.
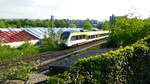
x=106, y=25
x=60, y=23
x=2, y=24
x=8, y=53
x=126, y=31
x=129, y=65
x=52, y=39
x=1, y=41
x=27, y=23
x=55, y=80
x=28, y=49
x=20, y=72
x=72, y=25
x=88, y=25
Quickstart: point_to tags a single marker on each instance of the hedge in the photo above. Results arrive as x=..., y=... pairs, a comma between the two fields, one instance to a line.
x=129, y=65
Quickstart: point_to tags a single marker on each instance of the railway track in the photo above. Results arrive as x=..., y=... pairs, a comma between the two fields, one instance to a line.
x=46, y=58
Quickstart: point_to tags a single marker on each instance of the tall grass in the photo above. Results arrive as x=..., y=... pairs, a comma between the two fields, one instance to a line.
x=7, y=53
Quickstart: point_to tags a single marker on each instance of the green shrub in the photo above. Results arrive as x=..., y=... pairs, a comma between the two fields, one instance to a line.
x=20, y=72
x=44, y=48
x=129, y=65
x=28, y=49
x=55, y=80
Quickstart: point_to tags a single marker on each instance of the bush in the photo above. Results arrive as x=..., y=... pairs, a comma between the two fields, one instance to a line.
x=129, y=65
x=20, y=72
x=55, y=80
x=44, y=48
x=28, y=49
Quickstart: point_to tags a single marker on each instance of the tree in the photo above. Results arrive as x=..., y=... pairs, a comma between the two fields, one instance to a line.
x=126, y=31
x=2, y=24
x=60, y=23
x=88, y=25
x=106, y=25
x=73, y=25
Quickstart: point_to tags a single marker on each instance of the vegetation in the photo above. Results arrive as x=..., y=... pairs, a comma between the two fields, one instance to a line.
x=8, y=53
x=20, y=72
x=61, y=23
x=88, y=25
x=55, y=80
x=58, y=23
x=72, y=25
x=50, y=41
x=126, y=31
x=129, y=65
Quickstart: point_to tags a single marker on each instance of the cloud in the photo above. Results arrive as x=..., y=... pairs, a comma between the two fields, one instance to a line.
x=74, y=9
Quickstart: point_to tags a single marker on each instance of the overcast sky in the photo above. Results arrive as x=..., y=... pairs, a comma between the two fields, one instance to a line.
x=72, y=9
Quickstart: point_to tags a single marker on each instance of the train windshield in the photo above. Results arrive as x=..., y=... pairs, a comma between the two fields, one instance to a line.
x=65, y=35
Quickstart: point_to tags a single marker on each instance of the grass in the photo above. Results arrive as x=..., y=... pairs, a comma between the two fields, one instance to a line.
x=8, y=54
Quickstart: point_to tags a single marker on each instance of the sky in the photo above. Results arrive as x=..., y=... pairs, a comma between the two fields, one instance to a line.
x=72, y=9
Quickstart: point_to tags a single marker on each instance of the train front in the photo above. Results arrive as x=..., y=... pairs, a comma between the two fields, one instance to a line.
x=63, y=43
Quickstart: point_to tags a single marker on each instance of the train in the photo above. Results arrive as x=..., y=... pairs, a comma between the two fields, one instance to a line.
x=71, y=38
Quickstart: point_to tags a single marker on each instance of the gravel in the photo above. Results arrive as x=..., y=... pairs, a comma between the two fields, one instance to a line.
x=67, y=62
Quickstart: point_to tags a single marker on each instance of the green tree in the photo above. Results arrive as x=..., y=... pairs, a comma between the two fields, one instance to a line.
x=60, y=23
x=106, y=25
x=2, y=24
x=73, y=25
x=88, y=25
x=126, y=31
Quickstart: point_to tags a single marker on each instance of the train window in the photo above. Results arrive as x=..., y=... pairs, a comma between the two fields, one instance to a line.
x=89, y=37
x=93, y=36
x=73, y=38
x=83, y=36
x=96, y=36
x=65, y=35
x=80, y=36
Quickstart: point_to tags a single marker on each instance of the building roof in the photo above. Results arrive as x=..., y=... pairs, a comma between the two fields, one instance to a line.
x=39, y=33
x=16, y=36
